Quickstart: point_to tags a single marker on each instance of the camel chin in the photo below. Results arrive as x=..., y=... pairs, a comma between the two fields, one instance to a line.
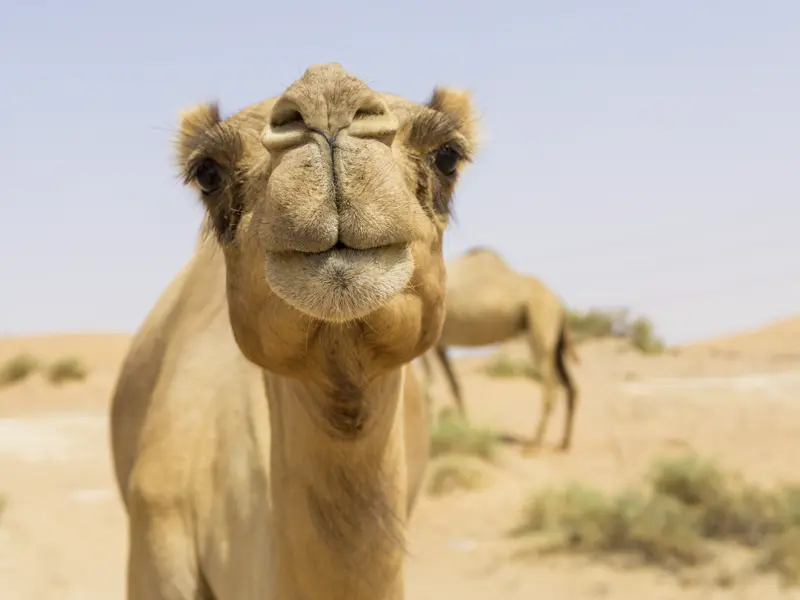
x=340, y=284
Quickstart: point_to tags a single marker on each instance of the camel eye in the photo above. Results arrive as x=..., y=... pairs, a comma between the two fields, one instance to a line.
x=208, y=175
x=446, y=160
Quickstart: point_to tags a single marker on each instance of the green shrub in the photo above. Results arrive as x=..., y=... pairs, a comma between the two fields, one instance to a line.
x=17, y=369
x=687, y=503
x=598, y=324
x=452, y=435
x=66, y=369
x=449, y=476
x=503, y=366
x=652, y=529
x=781, y=555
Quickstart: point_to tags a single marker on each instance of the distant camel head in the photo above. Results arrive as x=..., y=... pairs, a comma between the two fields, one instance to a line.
x=329, y=203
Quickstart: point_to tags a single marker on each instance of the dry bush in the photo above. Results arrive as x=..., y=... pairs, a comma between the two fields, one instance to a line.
x=453, y=435
x=781, y=555
x=642, y=336
x=727, y=508
x=448, y=476
x=731, y=509
x=67, y=369
x=502, y=365
x=17, y=369
x=687, y=503
x=650, y=529
x=616, y=323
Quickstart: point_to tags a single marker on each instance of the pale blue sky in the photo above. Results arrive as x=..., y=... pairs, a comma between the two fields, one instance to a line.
x=636, y=153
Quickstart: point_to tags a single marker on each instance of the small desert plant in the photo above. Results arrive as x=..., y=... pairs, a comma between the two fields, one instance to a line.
x=66, y=369
x=448, y=476
x=781, y=555
x=503, y=365
x=652, y=529
x=596, y=324
x=452, y=435
x=643, y=338
x=17, y=369
x=726, y=507
x=689, y=501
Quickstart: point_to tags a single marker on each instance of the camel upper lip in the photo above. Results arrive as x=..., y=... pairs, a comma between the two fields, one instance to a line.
x=342, y=246
x=337, y=247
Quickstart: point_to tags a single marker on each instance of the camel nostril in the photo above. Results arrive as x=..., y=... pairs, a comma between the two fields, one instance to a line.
x=365, y=112
x=285, y=117
x=287, y=127
x=373, y=120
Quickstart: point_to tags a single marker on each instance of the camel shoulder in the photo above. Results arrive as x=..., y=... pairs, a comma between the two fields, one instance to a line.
x=182, y=382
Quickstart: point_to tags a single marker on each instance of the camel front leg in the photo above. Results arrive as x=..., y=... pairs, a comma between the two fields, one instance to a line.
x=162, y=564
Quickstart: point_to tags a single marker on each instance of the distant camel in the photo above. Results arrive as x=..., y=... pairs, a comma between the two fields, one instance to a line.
x=487, y=302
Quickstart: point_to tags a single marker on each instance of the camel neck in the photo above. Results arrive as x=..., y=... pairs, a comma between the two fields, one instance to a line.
x=339, y=505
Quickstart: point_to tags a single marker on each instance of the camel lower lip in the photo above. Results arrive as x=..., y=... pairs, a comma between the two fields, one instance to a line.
x=341, y=283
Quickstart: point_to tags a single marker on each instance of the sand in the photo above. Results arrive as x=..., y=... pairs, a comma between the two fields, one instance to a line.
x=736, y=400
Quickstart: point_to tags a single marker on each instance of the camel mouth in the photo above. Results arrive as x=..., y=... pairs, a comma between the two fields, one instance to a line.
x=342, y=283
x=340, y=245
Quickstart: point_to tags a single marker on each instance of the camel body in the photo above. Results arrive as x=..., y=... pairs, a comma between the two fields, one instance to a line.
x=191, y=424
x=485, y=305
x=268, y=435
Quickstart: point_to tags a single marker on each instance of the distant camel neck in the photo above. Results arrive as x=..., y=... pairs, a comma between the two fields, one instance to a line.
x=339, y=505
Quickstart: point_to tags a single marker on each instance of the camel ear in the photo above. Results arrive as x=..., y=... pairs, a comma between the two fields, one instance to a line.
x=459, y=106
x=195, y=122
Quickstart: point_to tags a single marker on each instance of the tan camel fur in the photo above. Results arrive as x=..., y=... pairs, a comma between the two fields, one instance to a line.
x=268, y=438
x=488, y=303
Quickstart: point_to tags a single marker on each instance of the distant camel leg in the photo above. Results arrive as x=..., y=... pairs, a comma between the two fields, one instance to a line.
x=543, y=354
x=441, y=352
x=565, y=350
x=550, y=383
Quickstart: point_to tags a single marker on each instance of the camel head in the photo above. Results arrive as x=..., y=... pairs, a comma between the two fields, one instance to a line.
x=329, y=203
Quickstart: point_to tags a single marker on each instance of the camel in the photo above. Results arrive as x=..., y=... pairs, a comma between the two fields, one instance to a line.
x=268, y=435
x=487, y=302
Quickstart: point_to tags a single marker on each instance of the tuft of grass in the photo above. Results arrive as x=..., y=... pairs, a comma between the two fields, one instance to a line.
x=616, y=323
x=643, y=337
x=596, y=324
x=687, y=504
x=450, y=476
x=781, y=555
x=67, y=369
x=727, y=508
x=650, y=529
x=502, y=365
x=17, y=369
x=453, y=435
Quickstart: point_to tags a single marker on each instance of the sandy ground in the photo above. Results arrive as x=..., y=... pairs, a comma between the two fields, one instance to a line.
x=63, y=533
